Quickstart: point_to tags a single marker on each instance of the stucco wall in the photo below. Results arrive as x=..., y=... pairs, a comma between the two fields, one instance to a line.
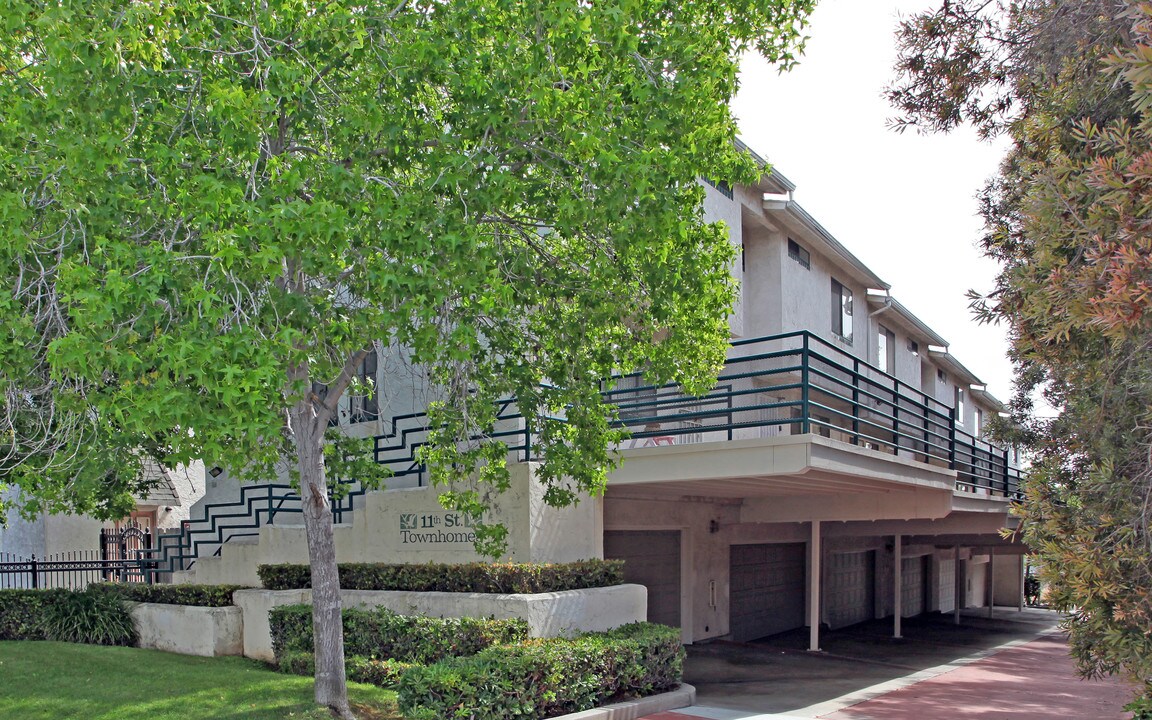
x=720, y=208
x=23, y=537
x=203, y=631
x=410, y=526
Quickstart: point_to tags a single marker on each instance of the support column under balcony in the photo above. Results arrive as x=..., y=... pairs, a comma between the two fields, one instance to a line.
x=814, y=571
x=898, y=585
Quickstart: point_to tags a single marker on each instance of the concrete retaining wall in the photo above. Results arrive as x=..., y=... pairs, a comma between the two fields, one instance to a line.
x=205, y=631
x=548, y=614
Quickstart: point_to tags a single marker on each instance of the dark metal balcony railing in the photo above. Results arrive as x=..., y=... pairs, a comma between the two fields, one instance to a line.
x=799, y=383
x=781, y=385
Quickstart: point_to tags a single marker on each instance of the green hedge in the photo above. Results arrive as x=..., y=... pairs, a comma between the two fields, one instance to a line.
x=196, y=595
x=381, y=673
x=467, y=577
x=544, y=678
x=381, y=633
x=65, y=615
x=22, y=612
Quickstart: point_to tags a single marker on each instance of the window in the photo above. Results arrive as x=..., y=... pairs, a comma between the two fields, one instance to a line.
x=959, y=406
x=364, y=408
x=886, y=350
x=799, y=254
x=914, y=348
x=841, y=310
x=321, y=391
x=941, y=375
x=978, y=424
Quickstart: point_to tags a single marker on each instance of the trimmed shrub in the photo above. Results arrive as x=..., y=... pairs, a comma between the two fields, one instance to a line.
x=381, y=673
x=381, y=633
x=545, y=678
x=466, y=577
x=22, y=612
x=89, y=617
x=195, y=595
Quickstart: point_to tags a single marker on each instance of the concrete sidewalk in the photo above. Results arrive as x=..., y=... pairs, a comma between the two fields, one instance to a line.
x=1012, y=666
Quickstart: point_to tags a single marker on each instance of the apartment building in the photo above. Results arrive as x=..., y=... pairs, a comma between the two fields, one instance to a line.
x=836, y=473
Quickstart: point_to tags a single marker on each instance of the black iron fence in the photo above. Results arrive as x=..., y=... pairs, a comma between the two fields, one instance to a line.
x=72, y=570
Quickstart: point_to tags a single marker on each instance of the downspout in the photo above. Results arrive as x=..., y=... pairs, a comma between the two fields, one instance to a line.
x=875, y=334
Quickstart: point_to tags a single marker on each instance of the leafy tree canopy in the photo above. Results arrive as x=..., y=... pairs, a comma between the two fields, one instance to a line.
x=207, y=208
x=1070, y=219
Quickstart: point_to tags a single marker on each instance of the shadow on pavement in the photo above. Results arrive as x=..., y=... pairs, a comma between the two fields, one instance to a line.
x=778, y=675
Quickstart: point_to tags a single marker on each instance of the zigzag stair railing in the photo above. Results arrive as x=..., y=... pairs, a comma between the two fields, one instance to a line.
x=261, y=503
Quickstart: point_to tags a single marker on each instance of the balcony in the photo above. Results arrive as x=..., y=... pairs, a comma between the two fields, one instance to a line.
x=799, y=384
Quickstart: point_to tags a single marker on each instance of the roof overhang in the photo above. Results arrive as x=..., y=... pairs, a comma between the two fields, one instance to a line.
x=952, y=365
x=907, y=320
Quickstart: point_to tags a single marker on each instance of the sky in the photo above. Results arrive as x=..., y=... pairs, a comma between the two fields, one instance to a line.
x=905, y=204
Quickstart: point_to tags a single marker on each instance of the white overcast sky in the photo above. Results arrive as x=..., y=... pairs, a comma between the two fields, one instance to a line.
x=903, y=203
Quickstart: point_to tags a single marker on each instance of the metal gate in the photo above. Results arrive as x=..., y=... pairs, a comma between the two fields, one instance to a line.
x=130, y=542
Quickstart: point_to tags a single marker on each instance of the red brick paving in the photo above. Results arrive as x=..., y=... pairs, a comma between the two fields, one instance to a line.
x=1027, y=682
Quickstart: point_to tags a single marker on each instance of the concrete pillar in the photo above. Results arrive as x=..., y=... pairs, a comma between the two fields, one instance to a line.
x=991, y=581
x=959, y=588
x=898, y=585
x=814, y=553
x=1020, y=577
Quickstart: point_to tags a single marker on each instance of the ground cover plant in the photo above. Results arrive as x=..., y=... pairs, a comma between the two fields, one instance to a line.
x=50, y=681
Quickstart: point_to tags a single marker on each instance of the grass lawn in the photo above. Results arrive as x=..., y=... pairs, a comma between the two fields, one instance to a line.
x=54, y=681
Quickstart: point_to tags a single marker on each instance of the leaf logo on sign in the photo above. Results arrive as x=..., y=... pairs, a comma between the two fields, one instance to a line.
x=407, y=521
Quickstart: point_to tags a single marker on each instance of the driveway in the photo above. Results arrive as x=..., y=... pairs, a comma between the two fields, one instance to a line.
x=1013, y=665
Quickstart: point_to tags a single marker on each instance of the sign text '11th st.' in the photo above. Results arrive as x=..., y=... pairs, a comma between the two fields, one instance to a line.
x=436, y=528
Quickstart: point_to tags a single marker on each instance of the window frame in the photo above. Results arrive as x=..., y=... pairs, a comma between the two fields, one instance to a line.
x=886, y=350
x=797, y=252
x=842, y=301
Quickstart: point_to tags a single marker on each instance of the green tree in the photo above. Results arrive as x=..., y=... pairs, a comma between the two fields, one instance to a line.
x=208, y=209
x=1069, y=219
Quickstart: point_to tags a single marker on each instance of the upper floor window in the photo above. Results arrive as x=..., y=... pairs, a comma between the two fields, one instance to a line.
x=886, y=350
x=799, y=254
x=841, y=310
x=960, y=406
x=364, y=408
x=978, y=423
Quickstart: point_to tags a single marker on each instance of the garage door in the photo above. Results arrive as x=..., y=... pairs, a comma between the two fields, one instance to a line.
x=850, y=588
x=946, y=599
x=767, y=594
x=912, y=577
x=651, y=559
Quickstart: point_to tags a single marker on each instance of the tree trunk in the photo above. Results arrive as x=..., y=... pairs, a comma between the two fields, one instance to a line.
x=327, y=627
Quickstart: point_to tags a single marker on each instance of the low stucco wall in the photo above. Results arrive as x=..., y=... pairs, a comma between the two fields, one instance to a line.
x=205, y=631
x=548, y=614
